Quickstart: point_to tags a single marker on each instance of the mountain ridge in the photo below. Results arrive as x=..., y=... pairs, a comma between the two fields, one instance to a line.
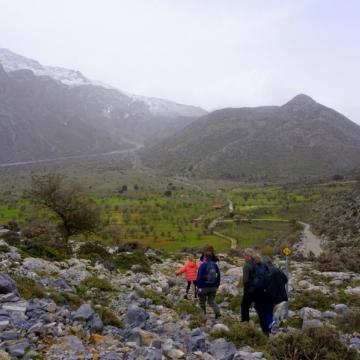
x=301, y=138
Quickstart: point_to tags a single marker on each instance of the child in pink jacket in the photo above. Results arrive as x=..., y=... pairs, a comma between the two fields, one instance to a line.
x=190, y=269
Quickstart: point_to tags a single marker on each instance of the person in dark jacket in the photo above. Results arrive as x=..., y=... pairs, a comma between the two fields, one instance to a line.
x=254, y=278
x=249, y=291
x=275, y=291
x=208, y=281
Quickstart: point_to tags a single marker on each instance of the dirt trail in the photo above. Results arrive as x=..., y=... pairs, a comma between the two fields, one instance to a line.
x=136, y=147
x=312, y=243
x=212, y=225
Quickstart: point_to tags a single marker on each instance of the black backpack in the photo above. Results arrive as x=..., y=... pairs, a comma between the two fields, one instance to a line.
x=211, y=274
x=276, y=285
x=260, y=276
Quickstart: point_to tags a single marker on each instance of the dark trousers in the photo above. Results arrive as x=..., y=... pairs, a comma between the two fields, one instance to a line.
x=208, y=295
x=189, y=285
x=247, y=300
x=262, y=308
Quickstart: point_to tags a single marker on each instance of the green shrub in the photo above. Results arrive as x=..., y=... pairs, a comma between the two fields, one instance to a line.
x=63, y=298
x=11, y=237
x=34, y=249
x=95, y=282
x=125, y=261
x=345, y=259
x=313, y=343
x=348, y=299
x=197, y=321
x=349, y=321
x=109, y=318
x=241, y=334
x=313, y=299
x=28, y=288
x=93, y=251
x=45, y=242
x=157, y=299
x=235, y=303
x=186, y=307
x=4, y=248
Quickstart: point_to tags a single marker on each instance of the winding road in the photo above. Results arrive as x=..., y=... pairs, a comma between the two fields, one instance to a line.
x=312, y=243
x=136, y=147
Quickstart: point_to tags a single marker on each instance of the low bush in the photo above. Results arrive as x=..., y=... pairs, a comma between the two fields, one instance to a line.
x=12, y=225
x=94, y=252
x=34, y=249
x=187, y=308
x=349, y=321
x=136, y=261
x=11, y=237
x=241, y=334
x=109, y=318
x=95, y=282
x=345, y=259
x=64, y=298
x=4, y=248
x=313, y=299
x=348, y=299
x=28, y=288
x=313, y=343
x=157, y=299
x=45, y=242
x=235, y=303
x=197, y=321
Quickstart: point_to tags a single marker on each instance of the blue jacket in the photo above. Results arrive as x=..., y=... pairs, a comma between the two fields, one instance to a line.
x=201, y=278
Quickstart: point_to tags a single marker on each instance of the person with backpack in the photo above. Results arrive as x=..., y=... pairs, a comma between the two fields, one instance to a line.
x=208, y=281
x=190, y=269
x=254, y=279
x=275, y=290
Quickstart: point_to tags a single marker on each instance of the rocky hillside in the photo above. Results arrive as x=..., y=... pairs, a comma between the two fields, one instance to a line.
x=48, y=112
x=338, y=218
x=127, y=304
x=300, y=139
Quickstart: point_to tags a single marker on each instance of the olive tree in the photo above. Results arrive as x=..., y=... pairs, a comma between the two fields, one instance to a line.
x=76, y=213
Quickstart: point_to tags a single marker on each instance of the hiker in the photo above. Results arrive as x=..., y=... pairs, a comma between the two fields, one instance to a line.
x=275, y=289
x=214, y=257
x=254, y=279
x=208, y=281
x=190, y=269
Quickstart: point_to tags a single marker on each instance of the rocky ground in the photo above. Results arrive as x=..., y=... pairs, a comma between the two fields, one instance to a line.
x=77, y=309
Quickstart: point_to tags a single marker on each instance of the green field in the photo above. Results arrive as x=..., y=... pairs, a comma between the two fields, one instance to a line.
x=170, y=214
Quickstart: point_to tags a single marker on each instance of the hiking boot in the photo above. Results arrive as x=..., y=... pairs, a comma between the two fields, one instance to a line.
x=186, y=297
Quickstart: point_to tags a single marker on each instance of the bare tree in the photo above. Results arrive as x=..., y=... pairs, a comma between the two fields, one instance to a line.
x=74, y=209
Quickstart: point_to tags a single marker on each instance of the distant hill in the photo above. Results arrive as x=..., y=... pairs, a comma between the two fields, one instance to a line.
x=48, y=112
x=298, y=140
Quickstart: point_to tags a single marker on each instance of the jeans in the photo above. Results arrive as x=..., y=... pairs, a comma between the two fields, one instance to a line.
x=208, y=295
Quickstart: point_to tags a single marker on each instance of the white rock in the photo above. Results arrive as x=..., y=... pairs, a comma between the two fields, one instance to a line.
x=309, y=313
x=353, y=291
x=220, y=327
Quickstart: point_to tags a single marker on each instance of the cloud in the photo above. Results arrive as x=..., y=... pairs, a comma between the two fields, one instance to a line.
x=210, y=53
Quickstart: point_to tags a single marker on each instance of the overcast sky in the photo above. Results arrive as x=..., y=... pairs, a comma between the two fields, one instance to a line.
x=210, y=53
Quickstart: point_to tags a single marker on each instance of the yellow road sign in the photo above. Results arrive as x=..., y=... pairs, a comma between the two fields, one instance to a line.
x=287, y=251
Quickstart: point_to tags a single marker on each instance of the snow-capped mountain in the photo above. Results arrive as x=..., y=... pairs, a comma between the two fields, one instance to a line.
x=12, y=62
x=48, y=112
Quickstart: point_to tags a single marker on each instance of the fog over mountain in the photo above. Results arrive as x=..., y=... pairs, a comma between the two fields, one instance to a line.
x=48, y=112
